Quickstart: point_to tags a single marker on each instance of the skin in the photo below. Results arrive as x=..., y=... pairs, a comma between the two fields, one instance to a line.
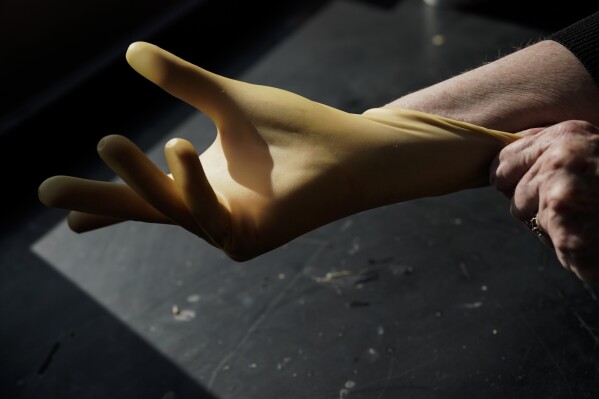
x=550, y=172
x=554, y=172
x=539, y=85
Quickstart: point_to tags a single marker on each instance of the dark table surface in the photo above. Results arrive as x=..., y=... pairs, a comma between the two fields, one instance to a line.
x=445, y=297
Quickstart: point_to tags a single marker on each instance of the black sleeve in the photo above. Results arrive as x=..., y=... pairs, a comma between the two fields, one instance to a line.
x=582, y=39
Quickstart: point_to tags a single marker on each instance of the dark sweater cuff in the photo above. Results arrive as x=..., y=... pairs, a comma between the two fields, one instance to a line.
x=582, y=39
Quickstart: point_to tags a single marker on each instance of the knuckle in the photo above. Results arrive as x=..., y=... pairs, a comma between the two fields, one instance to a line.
x=577, y=156
x=502, y=181
x=584, y=126
x=561, y=195
x=559, y=156
x=505, y=153
x=511, y=151
x=574, y=126
x=574, y=131
x=503, y=160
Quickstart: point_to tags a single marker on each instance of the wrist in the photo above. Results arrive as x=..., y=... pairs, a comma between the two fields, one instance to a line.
x=405, y=154
x=539, y=85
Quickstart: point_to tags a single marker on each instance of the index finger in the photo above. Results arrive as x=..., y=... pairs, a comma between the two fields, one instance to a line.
x=514, y=160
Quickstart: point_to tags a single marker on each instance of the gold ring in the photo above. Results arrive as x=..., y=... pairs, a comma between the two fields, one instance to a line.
x=535, y=228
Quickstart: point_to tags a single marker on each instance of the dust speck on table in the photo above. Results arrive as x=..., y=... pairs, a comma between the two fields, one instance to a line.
x=175, y=310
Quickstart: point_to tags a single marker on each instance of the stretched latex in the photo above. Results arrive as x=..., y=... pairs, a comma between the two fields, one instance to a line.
x=280, y=164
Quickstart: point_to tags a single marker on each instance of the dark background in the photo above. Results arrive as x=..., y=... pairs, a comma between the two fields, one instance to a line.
x=64, y=84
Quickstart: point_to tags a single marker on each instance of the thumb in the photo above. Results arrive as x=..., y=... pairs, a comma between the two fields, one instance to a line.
x=198, y=87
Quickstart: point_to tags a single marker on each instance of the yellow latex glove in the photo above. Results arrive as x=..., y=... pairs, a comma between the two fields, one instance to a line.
x=280, y=165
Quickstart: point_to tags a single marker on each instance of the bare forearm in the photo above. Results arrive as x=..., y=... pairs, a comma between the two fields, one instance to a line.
x=536, y=86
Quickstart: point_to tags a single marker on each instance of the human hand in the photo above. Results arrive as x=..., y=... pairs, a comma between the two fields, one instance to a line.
x=280, y=165
x=553, y=173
